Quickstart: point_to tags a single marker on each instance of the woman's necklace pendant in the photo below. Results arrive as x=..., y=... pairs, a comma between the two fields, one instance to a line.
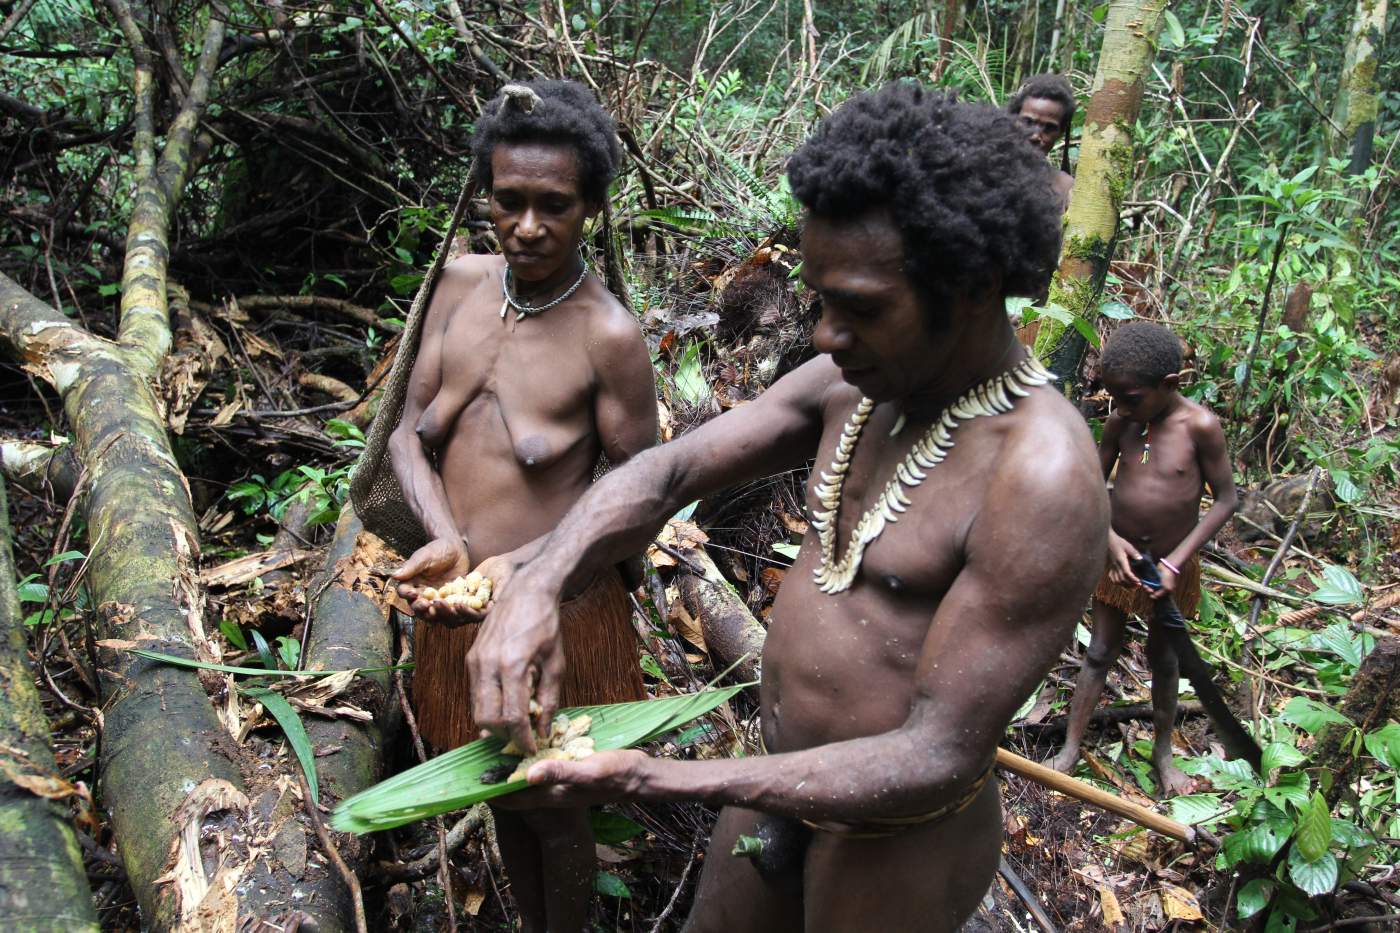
x=524, y=307
x=996, y=396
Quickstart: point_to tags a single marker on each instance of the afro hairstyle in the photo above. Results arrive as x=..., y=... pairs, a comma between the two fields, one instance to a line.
x=1142, y=351
x=567, y=113
x=1047, y=87
x=972, y=202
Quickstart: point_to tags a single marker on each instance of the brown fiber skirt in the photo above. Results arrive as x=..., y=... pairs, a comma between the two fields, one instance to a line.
x=1134, y=599
x=600, y=651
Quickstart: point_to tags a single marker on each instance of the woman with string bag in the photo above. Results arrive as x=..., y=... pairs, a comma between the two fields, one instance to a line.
x=520, y=375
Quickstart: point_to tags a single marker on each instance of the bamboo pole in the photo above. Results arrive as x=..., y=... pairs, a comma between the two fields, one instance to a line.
x=1072, y=787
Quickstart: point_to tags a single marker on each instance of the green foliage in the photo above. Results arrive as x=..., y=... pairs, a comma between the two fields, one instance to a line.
x=1283, y=808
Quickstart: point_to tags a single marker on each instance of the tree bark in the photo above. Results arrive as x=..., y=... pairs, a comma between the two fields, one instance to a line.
x=1103, y=175
x=350, y=628
x=1354, y=111
x=40, y=468
x=42, y=883
x=169, y=770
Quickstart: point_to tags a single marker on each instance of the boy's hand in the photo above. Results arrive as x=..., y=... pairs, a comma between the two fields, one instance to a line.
x=1168, y=587
x=1120, y=554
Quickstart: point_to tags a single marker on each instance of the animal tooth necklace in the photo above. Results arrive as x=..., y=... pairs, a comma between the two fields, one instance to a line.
x=523, y=306
x=994, y=397
x=1146, y=444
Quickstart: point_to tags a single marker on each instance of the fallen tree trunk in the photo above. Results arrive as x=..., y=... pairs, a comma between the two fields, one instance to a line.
x=732, y=635
x=350, y=628
x=187, y=826
x=42, y=883
x=40, y=468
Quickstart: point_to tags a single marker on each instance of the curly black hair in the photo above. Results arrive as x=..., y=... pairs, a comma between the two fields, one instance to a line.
x=1047, y=87
x=972, y=202
x=568, y=113
x=1142, y=351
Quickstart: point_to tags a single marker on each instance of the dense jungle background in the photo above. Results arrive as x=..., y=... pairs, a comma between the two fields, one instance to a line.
x=217, y=213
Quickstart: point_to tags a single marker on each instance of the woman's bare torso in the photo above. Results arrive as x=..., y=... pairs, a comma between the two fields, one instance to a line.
x=512, y=422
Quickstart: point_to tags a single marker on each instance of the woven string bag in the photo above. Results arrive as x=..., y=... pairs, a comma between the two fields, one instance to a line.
x=374, y=489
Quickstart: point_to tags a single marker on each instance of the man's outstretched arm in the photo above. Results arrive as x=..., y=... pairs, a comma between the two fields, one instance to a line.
x=1032, y=557
x=619, y=516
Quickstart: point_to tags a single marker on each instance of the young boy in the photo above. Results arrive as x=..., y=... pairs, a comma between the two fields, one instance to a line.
x=1167, y=449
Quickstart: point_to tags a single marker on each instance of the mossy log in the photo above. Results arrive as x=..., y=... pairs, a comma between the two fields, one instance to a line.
x=42, y=884
x=1101, y=179
x=351, y=628
x=732, y=635
x=42, y=469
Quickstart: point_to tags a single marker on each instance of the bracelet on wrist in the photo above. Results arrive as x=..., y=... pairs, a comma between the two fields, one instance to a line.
x=1170, y=566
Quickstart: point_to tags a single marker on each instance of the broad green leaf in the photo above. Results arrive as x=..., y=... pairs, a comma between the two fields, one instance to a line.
x=610, y=885
x=1258, y=843
x=1195, y=809
x=1348, y=834
x=1235, y=774
x=1337, y=587
x=1116, y=310
x=31, y=592
x=1314, y=876
x=1314, y=832
x=1279, y=755
x=1384, y=744
x=1174, y=32
x=287, y=718
x=1310, y=715
x=611, y=829
x=452, y=781
x=1338, y=639
x=690, y=382
x=65, y=556
x=1291, y=787
x=1346, y=487
x=1254, y=897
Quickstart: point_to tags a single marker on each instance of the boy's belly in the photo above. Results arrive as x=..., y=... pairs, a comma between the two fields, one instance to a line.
x=1154, y=516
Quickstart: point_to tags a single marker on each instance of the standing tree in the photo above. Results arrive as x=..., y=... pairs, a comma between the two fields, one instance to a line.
x=1355, y=109
x=1104, y=173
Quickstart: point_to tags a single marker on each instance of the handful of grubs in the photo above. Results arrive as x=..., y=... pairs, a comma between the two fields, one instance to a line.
x=568, y=740
x=470, y=592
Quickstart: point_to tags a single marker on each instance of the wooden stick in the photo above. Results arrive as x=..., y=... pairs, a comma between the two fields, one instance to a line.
x=1073, y=787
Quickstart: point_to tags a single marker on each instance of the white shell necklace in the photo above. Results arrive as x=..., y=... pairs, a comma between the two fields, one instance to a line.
x=993, y=397
x=523, y=306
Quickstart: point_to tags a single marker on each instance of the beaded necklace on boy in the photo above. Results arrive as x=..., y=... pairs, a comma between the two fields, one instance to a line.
x=989, y=398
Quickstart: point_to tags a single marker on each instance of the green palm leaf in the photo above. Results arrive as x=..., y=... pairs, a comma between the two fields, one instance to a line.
x=452, y=781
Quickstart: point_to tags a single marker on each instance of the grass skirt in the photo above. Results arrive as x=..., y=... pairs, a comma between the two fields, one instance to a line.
x=1134, y=600
x=600, y=652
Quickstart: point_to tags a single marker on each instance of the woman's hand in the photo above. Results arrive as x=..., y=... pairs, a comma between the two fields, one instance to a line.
x=497, y=569
x=433, y=564
x=1120, y=553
